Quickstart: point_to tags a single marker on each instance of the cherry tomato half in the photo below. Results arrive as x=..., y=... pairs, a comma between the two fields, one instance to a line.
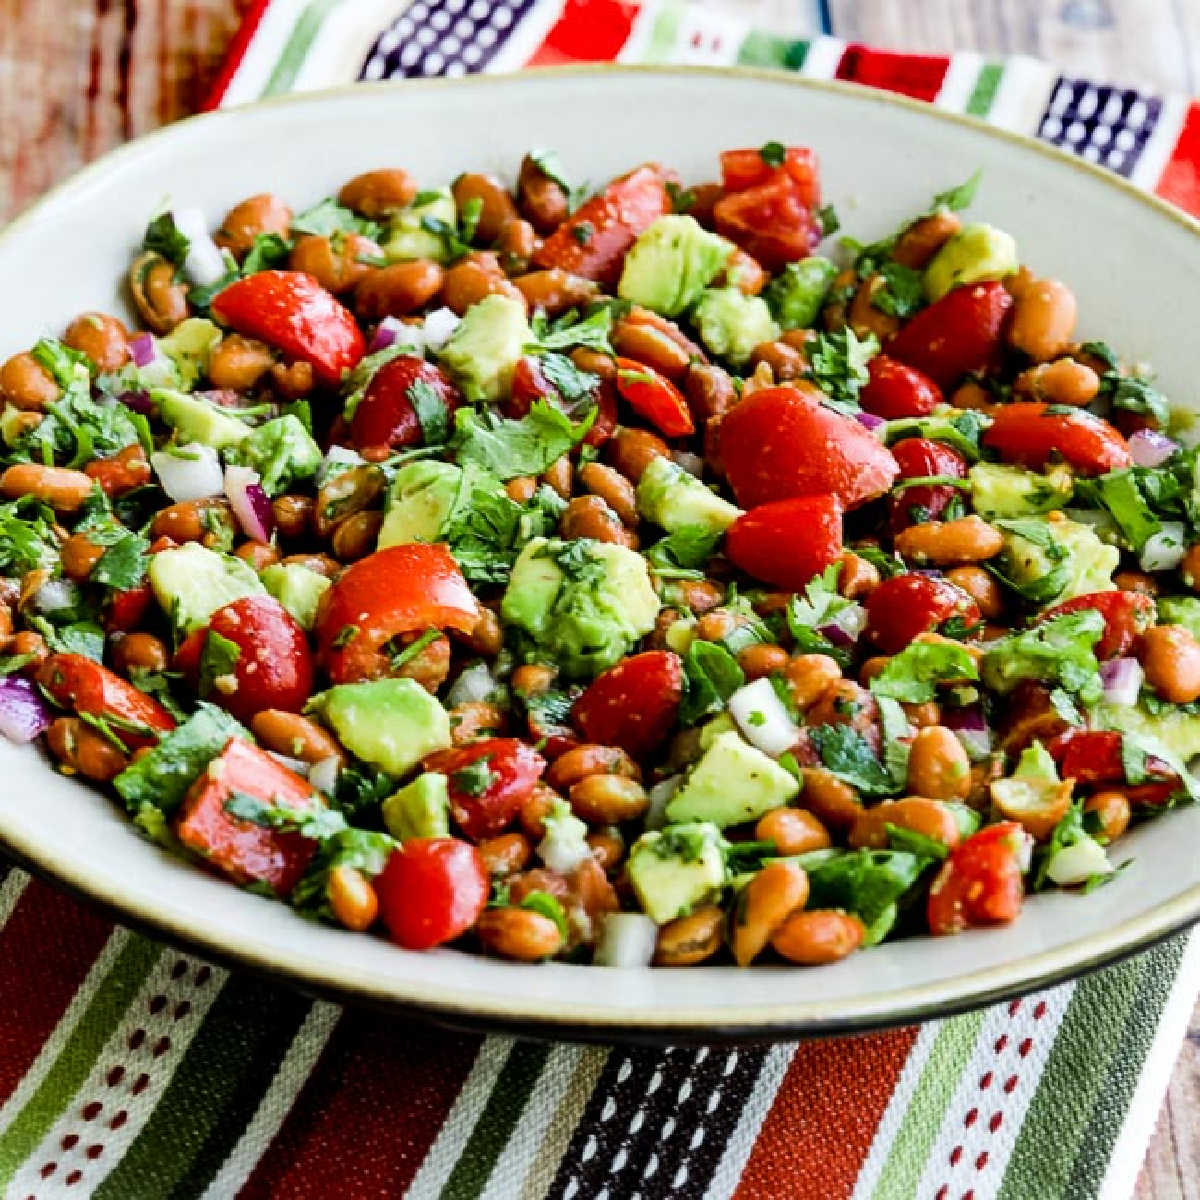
x=895, y=390
x=92, y=690
x=654, y=397
x=787, y=542
x=770, y=221
x=385, y=417
x=1028, y=434
x=922, y=458
x=1127, y=615
x=431, y=891
x=981, y=882
x=906, y=605
x=488, y=782
x=633, y=705
x=741, y=169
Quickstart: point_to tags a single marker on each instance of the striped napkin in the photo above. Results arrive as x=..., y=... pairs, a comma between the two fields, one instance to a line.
x=129, y=1070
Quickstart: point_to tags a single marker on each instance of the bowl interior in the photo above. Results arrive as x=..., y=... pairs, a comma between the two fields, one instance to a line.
x=1134, y=265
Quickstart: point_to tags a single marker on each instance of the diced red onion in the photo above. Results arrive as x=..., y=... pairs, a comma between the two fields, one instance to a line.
x=1122, y=679
x=140, y=402
x=385, y=334
x=142, y=349
x=870, y=420
x=23, y=713
x=1149, y=448
x=971, y=729
x=250, y=503
x=845, y=626
x=193, y=477
x=204, y=264
x=837, y=635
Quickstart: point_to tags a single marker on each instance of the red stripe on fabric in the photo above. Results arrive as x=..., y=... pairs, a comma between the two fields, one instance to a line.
x=815, y=1138
x=1180, y=180
x=236, y=52
x=46, y=950
x=363, y=1123
x=587, y=31
x=916, y=75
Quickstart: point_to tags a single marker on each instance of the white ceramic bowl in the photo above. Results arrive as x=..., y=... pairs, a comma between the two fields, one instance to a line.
x=1133, y=262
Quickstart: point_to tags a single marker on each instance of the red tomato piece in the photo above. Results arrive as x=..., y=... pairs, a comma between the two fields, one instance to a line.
x=292, y=312
x=633, y=705
x=530, y=384
x=1127, y=615
x=741, y=169
x=274, y=666
x=393, y=591
x=956, y=334
x=771, y=222
x=431, y=891
x=920, y=458
x=1093, y=756
x=906, y=605
x=77, y=682
x=488, y=782
x=981, y=882
x=782, y=442
x=246, y=852
x=126, y=608
x=592, y=242
x=895, y=390
x=386, y=417
x=787, y=542
x=654, y=397
x=1027, y=434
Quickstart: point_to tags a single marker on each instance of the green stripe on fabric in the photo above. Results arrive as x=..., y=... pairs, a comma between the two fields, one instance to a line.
x=295, y=51
x=213, y=1094
x=663, y=34
x=496, y=1122
x=910, y=1148
x=1092, y=1030
x=1112, y=1105
x=79, y=1053
x=984, y=92
x=767, y=50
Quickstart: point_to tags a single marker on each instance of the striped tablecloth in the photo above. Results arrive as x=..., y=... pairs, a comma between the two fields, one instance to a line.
x=130, y=1070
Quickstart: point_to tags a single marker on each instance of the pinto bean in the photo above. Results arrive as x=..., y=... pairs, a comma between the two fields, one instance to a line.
x=818, y=936
x=613, y=488
x=925, y=237
x=82, y=749
x=26, y=384
x=497, y=206
x=1171, y=657
x=379, y=193
x=554, y=290
x=543, y=201
x=104, y=339
x=338, y=264
x=61, y=488
x=966, y=540
x=650, y=346
x=631, y=451
x=776, y=892
x=689, y=940
x=793, y=830
x=518, y=933
x=938, y=766
x=398, y=290
x=251, y=219
x=296, y=736
x=1043, y=319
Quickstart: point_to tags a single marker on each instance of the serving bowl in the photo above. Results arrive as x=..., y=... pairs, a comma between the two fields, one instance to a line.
x=1133, y=262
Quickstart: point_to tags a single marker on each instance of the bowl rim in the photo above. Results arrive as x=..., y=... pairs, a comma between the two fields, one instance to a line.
x=529, y=1017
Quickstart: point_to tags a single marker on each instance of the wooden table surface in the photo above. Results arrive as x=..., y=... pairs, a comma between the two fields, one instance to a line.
x=78, y=76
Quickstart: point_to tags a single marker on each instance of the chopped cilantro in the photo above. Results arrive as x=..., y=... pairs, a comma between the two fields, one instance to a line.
x=838, y=366
x=774, y=154
x=164, y=237
x=431, y=411
x=509, y=448
x=218, y=659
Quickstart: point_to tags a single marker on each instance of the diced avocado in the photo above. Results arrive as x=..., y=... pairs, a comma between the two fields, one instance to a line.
x=674, y=499
x=731, y=784
x=188, y=347
x=1077, y=863
x=1051, y=561
x=1090, y=562
x=1177, y=730
x=297, y=588
x=731, y=323
x=681, y=634
x=196, y=420
x=975, y=253
x=418, y=502
x=191, y=582
x=671, y=263
x=12, y=425
x=796, y=294
x=720, y=725
x=1003, y=491
x=564, y=845
x=282, y=451
x=1180, y=610
x=582, y=603
x=390, y=723
x=408, y=235
x=673, y=869
x=421, y=809
x=485, y=347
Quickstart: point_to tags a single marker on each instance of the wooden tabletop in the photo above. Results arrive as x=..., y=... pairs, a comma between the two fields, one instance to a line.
x=79, y=76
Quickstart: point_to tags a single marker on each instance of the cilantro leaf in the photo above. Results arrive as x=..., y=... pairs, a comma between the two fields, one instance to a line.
x=509, y=448
x=902, y=293
x=960, y=197
x=483, y=528
x=364, y=850
x=123, y=565
x=848, y=755
x=838, y=366
x=686, y=549
x=269, y=250
x=327, y=218
x=868, y=883
x=590, y=330
x=27, y=539
x=218, y=659
x=1056, y=652
x=912, y=675
x=60, y=360
x=164, y=237
x=431, y=411
x=316, y=822
x=711, y=675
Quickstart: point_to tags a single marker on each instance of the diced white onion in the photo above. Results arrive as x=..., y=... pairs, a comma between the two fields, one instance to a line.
x=1075, y=864
x=1164, y=550
x=55, y=595
x=439, y=326
x=324, y=775
x=205, y=263
x=1024, y=850
x=660, y=796
x=296, y=765
x=564, y=847
x=192, y=477
x=762, y=718
x=337, y=459
x=475, y=684
x=626, y=940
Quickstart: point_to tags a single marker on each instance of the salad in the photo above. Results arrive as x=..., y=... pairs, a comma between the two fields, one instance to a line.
x=621, y=576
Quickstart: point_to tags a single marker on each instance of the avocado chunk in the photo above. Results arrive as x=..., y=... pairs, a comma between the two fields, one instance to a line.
x=674, y=499
x=297, y=588
x=419, y=500
x=408, y=235
x=1180, y=610
x=421, y=809
x=191, y=582
x=196, y=420
x=731, y=323
x=975, y=253
x=731, y=784
x=671, y=263
x=390, y=723
x=1051, y=561
x=485, y=347
x=282, y=451
x=673, y=869
x=188, y=348
x=1178, y=731
x=796, y=294
x=582, y=604
x=1003, y=491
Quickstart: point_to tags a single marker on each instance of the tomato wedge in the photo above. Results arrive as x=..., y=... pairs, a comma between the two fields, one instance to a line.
x=431, y=891
x=292, y=312
x=981, y=882
x=895, y=390
x=633, y=705
x=921, y=458
x=488, y=781
x=398, y=590
x=92, y=690
x=385, y=417
x=530, y=383
x=787, y=542
x=593, y=241
x=741, y=169
x=1127, y=615
x=771, y=222
x=906, y=605
x=1030, y=434
x=654, y=397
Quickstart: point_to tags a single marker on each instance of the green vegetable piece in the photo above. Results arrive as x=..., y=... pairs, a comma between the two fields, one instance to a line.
x=796, y=294
x=485, y=347
x=390, y=723
x=868, y=883
x=673, y=869
x=731, y=323
x=671, y=497
x=912, y=675
x=419, y=501
x=409, y=236
x=188, y=348
x=975, y=253
x=421, y=809
x=283, y=453
x=197, y=420
x=734, y=782
x=1056, y=652
x=297, y=588
x=191, y=582
x=1180, y=610
x=528, y=446
x=671, y=263
x=998, y=490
